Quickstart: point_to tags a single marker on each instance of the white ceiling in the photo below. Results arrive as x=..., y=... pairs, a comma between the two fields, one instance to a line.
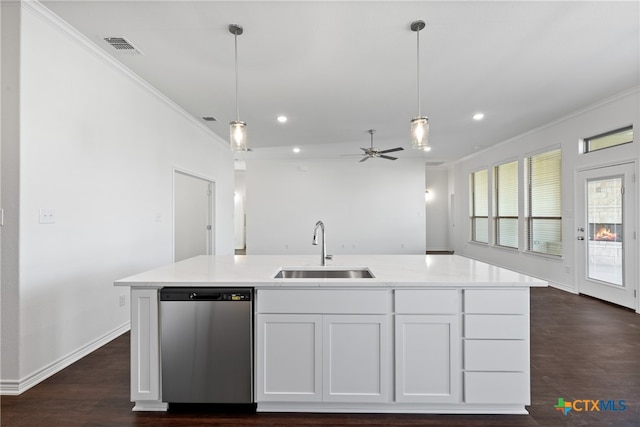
x=339, y=68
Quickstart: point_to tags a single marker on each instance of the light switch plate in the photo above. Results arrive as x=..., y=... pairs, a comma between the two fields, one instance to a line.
x=47, y=216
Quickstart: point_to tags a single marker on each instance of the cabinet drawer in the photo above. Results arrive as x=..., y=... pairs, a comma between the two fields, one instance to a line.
x=329, y=301
x=496, y=301
x=496, y=387
x=496, y=326
x=427, y=301
x=496, y=355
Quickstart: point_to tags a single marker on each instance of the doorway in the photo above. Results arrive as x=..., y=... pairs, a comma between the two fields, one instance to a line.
x=193, y=216
x=606, y=238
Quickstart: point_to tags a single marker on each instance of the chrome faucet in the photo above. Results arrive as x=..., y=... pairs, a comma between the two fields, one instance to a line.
x=324, y=256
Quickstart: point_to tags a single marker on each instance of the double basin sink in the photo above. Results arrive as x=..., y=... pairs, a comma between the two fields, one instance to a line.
x=324, y=273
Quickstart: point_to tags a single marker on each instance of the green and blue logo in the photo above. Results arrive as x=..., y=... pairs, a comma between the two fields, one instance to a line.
x=589, y=405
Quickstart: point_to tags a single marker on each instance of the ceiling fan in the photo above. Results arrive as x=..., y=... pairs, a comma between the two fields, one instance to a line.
x=374, y=152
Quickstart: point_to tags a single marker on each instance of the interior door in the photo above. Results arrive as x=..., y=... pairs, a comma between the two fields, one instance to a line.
x=606, y=245
x=193, y=217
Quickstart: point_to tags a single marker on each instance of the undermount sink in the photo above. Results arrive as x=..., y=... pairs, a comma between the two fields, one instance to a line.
x=324, y=273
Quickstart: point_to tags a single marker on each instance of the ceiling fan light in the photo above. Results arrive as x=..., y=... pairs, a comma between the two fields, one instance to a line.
x=238, y=132
x=420, y=133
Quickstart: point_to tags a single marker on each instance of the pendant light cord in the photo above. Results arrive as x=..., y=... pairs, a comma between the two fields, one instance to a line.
x=418, y=69
x=235, y=37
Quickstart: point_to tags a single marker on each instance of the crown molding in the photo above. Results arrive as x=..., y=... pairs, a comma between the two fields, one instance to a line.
x=39, y=10
x=602, y=102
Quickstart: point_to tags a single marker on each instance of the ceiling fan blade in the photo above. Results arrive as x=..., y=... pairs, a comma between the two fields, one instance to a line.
x=387, y=157
x=363, y=159
x=391, y=150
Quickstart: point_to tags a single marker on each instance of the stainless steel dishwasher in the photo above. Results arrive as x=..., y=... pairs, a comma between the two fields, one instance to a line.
x=206, y=345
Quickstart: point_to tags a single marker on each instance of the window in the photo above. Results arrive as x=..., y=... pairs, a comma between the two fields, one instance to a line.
x=544, y=203
x=479, y=207
x=609, y=139
x=506, y=208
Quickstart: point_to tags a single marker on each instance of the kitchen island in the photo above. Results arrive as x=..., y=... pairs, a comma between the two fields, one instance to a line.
x=425, y=334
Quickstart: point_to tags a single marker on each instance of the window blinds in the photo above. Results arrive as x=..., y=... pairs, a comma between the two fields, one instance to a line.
x=544, y=203
x=506, y=215
x=480, y=207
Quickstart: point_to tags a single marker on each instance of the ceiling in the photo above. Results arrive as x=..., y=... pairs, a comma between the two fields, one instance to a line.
x=339, y=68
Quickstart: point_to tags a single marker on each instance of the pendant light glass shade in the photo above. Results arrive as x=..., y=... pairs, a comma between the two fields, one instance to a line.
x=420, y=133
x=238, y=135
x=420, y=124
x=237, y=128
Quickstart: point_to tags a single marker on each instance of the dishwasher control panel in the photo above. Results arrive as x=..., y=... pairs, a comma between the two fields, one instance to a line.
x=206, y=294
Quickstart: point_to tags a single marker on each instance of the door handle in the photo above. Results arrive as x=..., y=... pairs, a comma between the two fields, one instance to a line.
x=580, y=237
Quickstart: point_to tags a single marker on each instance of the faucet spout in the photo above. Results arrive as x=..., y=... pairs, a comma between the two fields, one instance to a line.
x=324, y=257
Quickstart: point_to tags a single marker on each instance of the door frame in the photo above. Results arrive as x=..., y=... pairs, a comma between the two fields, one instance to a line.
x=211, y=241
x=631, y=224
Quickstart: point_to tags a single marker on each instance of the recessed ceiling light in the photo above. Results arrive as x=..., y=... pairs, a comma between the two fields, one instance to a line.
x=478, y=116
x=427, y=148
x=282, y=119
x=296, y=150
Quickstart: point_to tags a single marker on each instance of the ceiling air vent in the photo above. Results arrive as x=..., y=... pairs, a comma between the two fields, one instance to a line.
x=122, y=45
x=209, y=119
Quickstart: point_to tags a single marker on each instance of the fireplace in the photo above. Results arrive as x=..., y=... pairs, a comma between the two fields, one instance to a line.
x=605, y=232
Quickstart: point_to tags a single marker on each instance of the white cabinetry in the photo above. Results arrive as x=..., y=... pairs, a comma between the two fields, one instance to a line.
x=428, y=362
x=145, y=350
x=309, y=350
x=496, y=346
x=290, y=357
x=356, y=358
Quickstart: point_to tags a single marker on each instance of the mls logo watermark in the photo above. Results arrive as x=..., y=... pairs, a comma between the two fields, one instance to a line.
x=589, y=405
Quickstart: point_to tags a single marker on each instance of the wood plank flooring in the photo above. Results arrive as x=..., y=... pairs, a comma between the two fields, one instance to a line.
x=581, y=348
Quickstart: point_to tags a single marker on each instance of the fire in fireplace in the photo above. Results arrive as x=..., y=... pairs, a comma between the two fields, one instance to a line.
x=605, y=232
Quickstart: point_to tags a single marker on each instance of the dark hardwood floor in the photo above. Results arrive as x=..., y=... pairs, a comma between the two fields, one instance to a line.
x=581, y=348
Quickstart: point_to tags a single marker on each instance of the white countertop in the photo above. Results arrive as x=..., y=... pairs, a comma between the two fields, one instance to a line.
x=389, y=271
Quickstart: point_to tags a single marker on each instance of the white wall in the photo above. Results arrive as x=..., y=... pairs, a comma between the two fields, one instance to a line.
x=610, y=114
x=374, y=207
x=239, y=200
x=99, y=148
x=437, y=209
x=10, y=170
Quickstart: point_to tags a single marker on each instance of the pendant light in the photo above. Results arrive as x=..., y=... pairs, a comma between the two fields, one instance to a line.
x=237, y=128
x=420, y=124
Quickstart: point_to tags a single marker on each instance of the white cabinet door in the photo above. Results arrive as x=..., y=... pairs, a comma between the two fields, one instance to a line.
x=356, y=358
x=428, y=358
x=289, y=364
x=145, y=346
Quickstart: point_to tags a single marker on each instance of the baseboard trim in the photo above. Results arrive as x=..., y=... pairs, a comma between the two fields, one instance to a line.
x=563, y=288
x=14, y=388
